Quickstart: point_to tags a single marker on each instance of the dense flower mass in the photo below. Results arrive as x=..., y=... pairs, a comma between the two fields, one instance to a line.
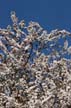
x=35, y=66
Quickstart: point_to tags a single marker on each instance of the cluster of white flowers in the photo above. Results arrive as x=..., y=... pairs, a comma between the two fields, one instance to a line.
x=33, y=70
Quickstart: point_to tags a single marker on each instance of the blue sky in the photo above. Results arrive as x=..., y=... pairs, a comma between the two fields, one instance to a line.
x=51, y=14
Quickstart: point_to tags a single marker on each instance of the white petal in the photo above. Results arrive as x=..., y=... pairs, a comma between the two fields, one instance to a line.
x=27, y=47
x=69, y=50
x=66, y=44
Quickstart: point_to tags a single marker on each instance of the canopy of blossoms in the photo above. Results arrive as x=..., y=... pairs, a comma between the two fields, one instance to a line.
x=35, y=66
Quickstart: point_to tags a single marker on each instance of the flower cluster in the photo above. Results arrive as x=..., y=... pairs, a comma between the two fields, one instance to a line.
x=35, y=66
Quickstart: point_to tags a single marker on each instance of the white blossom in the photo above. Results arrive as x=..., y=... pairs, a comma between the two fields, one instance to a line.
x=69, y=49
x=65, y=44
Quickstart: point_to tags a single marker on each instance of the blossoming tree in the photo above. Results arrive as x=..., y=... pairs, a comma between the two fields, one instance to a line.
x=35, y=66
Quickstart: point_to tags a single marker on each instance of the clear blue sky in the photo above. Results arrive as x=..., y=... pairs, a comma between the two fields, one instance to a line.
x=51, y=14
